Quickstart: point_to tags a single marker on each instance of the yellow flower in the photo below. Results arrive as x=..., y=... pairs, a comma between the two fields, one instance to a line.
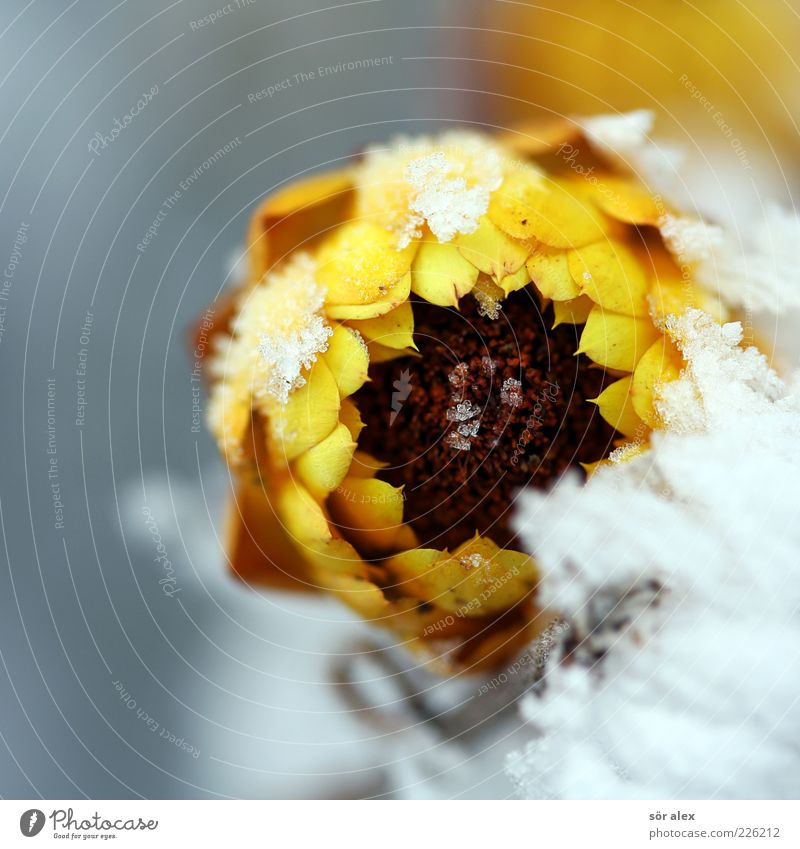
x=424, y=333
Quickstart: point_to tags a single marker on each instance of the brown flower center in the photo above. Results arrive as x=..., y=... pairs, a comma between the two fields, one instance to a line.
x=490, y=406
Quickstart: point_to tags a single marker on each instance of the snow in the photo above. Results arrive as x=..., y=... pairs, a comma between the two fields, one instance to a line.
x=442, y=199
x=679, y=576
x=278, y=332
x=472, y=561
x=758, y=269
x=442, y=182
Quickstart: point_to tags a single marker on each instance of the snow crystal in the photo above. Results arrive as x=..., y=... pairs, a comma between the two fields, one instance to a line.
x=758, y=269
x=470, y=428
x=679, y=576
x=463, y=411
x=442, y=198
x=488, y=366
x=488, y=307
x=277, y=333
x=457, y=441
x=288, y=352
x=443, y=182
x=511, y=392
x=472, y=561
x=458, y=377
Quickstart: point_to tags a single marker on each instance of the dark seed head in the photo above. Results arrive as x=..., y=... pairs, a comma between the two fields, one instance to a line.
x=490, y=406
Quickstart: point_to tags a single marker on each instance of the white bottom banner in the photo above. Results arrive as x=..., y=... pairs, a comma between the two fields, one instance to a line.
x=382, y=823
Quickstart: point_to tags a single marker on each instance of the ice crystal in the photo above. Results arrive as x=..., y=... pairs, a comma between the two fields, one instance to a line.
x=463, y=411
x=443, y=182
x=472, y=561
x=469, y=428
x=488, y=366
x=277, y=334
x=442, y=198
x=457, y=441
x=458, y=377
x=511, y=392
x=488, y=307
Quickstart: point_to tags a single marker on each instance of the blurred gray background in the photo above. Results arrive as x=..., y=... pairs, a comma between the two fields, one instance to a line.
x=109, y=687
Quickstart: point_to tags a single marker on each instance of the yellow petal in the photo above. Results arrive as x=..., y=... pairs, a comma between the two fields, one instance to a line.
x=348, y=359
x=258, y=547
x=441, y=275
x=364, y=465
x=616, y=341
x=478, y=579
x=530, y=206
x=615, y=403
x=672, y=296
x=550, y=273
x=627, y=201
x=369, y=513
x=306, y=192
x=229, y=414
x=294, y=217
x=591, y=468
x=301, y=515
x=351, y=418
x=356, y=312
x=395, y=329
x=360, y=264
x=516, y=281
x=575, y=311
x=309, y=415
x=380, y=354
x=661, y=363
x=337, y=568
x=492, y=251
x=323, y=467
x=610, y=274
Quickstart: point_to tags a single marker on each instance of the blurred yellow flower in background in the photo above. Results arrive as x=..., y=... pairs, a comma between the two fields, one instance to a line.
x=719, y=74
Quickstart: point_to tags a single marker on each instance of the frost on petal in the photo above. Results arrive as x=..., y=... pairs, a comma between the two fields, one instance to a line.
x=443, y=182
x=488, y=307
x=678, y=574
x=442, y=198
x=277, y=334
x=758, y=269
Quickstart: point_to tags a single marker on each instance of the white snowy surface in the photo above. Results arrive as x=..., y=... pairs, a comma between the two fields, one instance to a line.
x=679, y=573
x=757, y=268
